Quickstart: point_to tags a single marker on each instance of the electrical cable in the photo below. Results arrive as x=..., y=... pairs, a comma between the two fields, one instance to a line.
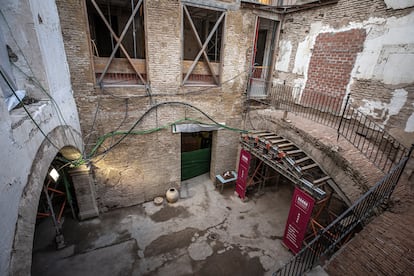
x=35, y=81
x=88, y=136
x=28, y=113
x=125, y=134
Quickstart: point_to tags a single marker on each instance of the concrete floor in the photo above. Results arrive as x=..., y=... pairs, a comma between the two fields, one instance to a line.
x=204, y=233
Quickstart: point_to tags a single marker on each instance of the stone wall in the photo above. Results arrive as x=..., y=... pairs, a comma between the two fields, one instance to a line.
x=144, y=166
x=380, y=81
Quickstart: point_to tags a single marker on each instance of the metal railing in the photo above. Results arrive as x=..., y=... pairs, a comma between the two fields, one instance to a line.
x=330, y=239
x=335, y=110
x=276, y=3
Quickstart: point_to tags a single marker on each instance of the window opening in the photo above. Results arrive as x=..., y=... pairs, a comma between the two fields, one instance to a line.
x=262, y=56
x=203, y=32
x=118, y=41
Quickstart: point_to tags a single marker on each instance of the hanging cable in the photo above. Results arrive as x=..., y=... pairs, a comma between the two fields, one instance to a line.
x=125, y=134
x=27, y=111
x=35, y=81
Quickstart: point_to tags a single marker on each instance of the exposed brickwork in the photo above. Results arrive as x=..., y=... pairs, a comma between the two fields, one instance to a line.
x=145, y=166
x=297, y=28
x=332, y=61
x=383, y=247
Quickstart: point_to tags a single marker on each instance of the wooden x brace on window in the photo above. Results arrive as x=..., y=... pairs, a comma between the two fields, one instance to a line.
x=203, y=47
x=118, y=40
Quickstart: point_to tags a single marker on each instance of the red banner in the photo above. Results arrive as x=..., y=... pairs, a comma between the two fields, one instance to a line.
x=300, y=212
x=244, y=163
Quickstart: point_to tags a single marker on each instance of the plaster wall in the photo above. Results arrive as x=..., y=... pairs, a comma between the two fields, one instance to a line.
x=20, y=139
x=381, y=70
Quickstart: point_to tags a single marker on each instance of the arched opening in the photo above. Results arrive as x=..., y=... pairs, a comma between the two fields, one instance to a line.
x=20, y=263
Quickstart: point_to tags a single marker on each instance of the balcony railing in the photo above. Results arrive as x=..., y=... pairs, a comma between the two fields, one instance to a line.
x=335, y=235
x=335, y=110
x=277, y=3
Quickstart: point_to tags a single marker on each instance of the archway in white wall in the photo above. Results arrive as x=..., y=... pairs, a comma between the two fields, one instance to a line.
x=21, y=256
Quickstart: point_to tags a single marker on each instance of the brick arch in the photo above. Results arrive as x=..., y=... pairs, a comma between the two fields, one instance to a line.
x=21, y=256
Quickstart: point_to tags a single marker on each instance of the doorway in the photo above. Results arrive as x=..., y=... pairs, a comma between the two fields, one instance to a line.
x=195, y=153
x=263, y=53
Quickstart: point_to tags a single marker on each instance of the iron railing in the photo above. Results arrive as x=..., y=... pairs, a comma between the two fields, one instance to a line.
x=276, y=3
x=335, y=110
x=330, y=239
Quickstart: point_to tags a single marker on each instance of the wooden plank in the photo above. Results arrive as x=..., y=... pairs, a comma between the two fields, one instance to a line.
x=119, y=65
x=304, y=168
x=275, y=141
x=201, y=68
x=273, y=137
x=294, y=152
x=302, y=160
x=263, y=134
x=320, y=180
x=285, y=145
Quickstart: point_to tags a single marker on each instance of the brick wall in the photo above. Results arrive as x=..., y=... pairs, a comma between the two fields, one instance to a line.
x=330, y=67
x=144, y=166
x=303, y=28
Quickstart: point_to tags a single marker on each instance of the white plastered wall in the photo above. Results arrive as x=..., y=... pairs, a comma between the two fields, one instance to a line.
x=31, y=28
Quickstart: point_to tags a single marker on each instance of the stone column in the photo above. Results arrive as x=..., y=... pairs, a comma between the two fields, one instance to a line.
x=85, y=192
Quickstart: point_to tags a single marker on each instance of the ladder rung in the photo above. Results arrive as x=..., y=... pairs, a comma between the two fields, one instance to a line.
x=320, y=180
x=302, y=160
x=304, y=168
x=293, y=152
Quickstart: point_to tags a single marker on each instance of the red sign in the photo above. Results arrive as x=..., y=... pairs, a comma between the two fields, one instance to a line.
x=243, y=172
x=297, y=222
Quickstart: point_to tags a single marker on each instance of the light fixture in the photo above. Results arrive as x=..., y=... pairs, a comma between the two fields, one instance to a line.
x=54, y=174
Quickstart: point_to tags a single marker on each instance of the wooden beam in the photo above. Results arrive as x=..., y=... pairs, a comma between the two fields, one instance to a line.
x=304, y=168
x=121, y=37
x=320, y=180
x=275, y=141
x=119, y=65
x=285, y=145
x=136, y=70
x=294, y=152
x=201, y=68
x=301, y=160
x=200, y=44
x=204, y=47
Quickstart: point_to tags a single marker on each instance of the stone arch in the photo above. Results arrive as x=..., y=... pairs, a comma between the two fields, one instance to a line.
x=21, y=256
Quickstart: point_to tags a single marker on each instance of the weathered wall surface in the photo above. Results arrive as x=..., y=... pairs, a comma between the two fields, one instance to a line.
x=31, y=29
x=144, y=166
x=381, y=81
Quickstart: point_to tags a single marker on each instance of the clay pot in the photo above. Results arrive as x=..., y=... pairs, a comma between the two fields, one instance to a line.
x=172, y=195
